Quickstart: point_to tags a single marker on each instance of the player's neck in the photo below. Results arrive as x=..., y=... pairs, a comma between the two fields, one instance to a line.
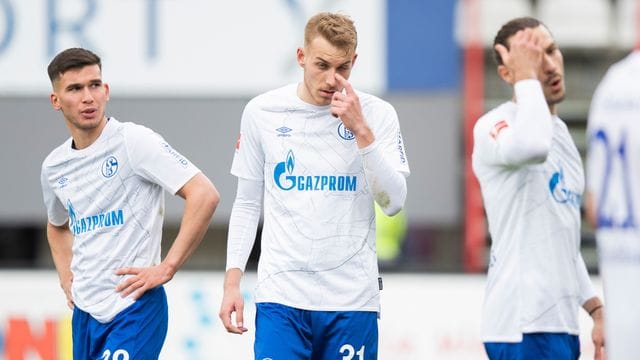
x=83, y=138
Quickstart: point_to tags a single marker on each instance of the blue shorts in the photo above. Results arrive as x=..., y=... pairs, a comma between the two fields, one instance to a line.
x=138, y=332
x=283, y=332
x=537, y=346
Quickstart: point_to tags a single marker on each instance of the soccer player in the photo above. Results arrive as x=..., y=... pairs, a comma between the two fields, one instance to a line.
x=532, y=181
x=319, y=153
x=613, y=199
x=103, y=190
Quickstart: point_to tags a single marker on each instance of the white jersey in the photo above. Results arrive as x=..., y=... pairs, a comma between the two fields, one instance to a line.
x=537, y=279
x=111, y=193
x=318, y=249
x=613, y=173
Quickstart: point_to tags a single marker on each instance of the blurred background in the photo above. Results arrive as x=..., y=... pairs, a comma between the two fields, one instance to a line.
x=186, y=68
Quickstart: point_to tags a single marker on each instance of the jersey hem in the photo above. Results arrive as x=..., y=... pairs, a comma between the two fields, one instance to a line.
x=322, y=308
x=518, y=338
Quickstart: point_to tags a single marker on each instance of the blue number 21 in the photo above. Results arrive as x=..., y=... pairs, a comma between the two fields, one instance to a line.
x=614, y=154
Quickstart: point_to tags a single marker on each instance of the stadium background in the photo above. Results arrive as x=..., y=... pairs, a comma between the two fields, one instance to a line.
x=186, y=68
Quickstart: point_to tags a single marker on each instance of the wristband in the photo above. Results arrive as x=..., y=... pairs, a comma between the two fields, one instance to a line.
x=594, y=309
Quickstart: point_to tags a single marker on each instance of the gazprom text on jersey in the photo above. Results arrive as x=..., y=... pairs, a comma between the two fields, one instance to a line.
x=326, y=182
x=90, y=223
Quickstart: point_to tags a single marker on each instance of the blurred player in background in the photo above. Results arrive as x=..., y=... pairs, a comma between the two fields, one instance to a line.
x=390, y=236
x=532, y=181
x=613, y=200
x=317, y=154
x=104, y=193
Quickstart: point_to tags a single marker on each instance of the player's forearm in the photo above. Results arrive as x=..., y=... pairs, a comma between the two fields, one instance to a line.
x=201, y=200
x=594, y=307
x=586, y=290
x=243, y=223
x=364, y=135
x=389, y=187
x=232, y=278
x=532, y=129
x=590, y=209
x=60, y=241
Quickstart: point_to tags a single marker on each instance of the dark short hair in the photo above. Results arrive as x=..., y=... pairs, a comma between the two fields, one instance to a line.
x=72, y=58
x=511, y=28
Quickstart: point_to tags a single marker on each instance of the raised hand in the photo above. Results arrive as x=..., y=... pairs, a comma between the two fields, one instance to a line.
x=346, y=106
x=524, y=56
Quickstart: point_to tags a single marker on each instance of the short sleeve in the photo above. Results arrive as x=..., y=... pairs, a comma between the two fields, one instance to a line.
x=155, y=160
x=248, y=160
x=57, y=214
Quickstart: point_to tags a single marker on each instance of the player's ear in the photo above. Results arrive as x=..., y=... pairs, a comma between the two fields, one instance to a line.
x=106, y=90
x=55, y=101
x=505, y=74
x=300, y=57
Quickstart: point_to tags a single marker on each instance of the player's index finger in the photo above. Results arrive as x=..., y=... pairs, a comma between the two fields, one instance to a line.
x=344, y=83
x=128, y=271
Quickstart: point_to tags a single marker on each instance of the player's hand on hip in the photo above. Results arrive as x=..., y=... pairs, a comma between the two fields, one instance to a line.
x=66, y=288
x=142, y=279
x=70, y=303
x=232, y=301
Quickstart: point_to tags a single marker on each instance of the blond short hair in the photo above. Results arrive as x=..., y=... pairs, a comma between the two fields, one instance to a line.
x=337, y=29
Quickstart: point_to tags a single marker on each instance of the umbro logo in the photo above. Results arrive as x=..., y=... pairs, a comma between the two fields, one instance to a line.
x=284, y=131
x=63, y=181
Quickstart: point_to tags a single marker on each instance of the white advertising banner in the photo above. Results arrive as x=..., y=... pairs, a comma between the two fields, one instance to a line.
x=179, y=47
x=423, y=317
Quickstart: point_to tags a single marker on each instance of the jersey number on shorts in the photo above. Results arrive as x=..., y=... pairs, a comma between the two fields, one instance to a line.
x=117, y=355
x=349, y=351
x=614, y=154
